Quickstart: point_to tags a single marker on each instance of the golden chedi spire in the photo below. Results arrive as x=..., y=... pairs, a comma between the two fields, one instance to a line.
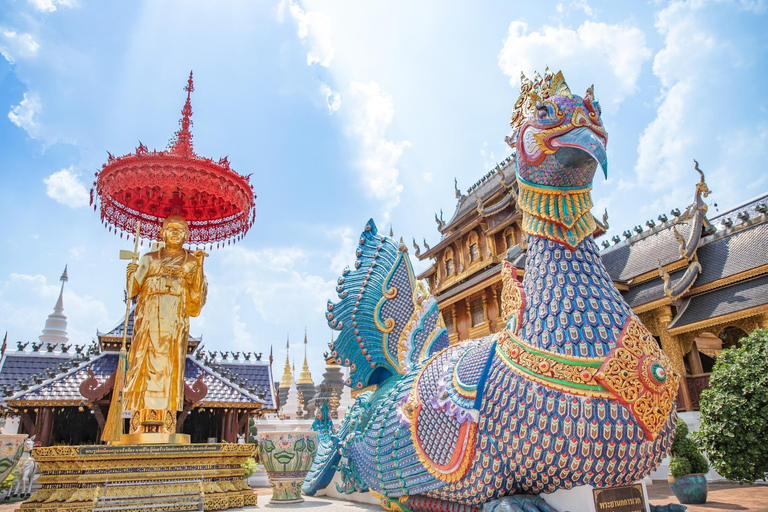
x=285, y=382
x=305, y=377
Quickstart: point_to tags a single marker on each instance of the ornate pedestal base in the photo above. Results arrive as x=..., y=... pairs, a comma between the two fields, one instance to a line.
x=73, y=477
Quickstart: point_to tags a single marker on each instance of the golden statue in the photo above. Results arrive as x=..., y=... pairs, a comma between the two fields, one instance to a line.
x=170, y=287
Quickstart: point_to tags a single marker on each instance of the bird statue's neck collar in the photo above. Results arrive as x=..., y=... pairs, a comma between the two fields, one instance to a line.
x=560, y=214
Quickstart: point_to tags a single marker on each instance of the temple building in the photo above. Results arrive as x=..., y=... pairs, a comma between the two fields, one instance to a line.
x=698, y=282
x=300, y=398
x=62, y=396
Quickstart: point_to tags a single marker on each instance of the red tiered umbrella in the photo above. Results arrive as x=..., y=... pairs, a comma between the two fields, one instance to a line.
x=148, y=186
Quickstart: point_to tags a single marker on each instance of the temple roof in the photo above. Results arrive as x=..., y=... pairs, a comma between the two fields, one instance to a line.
x=113, y=339
x=737, y=250
x=490, y=185
x=469, y=283
x=22, y=365
x=643, y=252
x=738, y=297
x=64, y=387
x=483, y=189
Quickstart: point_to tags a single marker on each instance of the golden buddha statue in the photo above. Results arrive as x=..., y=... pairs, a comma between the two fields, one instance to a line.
x=170, y=287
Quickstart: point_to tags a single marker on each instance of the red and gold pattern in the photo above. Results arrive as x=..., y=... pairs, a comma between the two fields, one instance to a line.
x=641, y=377
x=574, y=375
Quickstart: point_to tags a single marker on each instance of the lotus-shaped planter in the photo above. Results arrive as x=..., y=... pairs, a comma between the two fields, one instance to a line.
x=11, y=448
x=287, y=456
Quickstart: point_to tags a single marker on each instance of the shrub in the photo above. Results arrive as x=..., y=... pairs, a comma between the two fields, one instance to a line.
x=734, y=411
x=9, y=480
x=249, y=466
x=686, y=458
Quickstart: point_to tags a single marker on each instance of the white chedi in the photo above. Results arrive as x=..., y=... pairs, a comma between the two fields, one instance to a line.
x=292, y=406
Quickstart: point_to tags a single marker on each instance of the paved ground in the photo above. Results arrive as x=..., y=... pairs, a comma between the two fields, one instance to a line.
x=723, y=497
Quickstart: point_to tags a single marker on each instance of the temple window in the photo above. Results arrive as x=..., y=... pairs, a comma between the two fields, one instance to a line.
x=449, y=326
x=478, y=315
x=474, y=254
x=450, y=267
x=509, y=238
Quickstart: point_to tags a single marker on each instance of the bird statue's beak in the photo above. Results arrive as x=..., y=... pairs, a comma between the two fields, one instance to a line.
x=587, y=140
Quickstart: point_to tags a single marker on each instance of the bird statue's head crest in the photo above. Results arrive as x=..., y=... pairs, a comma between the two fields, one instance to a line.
x=559, y=136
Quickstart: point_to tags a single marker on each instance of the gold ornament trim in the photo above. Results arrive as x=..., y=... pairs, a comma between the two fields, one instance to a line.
x=628, y=374
x=561, y=215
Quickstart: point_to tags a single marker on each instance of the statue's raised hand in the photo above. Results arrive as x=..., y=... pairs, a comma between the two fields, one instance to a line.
x=200, y=256
x=131, y=269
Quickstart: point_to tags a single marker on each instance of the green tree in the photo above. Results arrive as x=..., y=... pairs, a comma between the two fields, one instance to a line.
x=734, y=411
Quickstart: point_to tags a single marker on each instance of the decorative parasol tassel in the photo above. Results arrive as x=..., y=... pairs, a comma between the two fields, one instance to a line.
x=113, y=428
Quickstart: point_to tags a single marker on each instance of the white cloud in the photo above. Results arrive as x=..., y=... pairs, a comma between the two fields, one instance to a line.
x=332, y=99
x=314, y=29
x=27, y=300
x=242, y=338
x=23, y=114
x=346, y=241
x=371, y=112
x=696, y=65
x=276, y=280
x=15, y=46
x=51, y=5
x=65, y=187
x=610, y=55
x=427, y=177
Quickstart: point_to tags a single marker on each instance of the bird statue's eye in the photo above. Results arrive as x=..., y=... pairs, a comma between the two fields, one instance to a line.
x=542, y=112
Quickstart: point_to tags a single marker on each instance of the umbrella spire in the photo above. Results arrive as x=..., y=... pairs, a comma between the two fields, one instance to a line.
x=182, y=140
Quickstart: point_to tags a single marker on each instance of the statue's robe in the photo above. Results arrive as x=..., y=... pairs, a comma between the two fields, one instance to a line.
x=170, y=290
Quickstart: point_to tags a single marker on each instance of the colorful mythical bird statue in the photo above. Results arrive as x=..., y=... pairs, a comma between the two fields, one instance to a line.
x=573, y=391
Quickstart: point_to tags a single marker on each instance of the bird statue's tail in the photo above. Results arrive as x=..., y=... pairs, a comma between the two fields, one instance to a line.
x=388, y=322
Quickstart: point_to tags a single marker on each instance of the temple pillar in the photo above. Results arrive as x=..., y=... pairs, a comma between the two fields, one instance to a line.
x=229, y=431
x=762, y=321
x=44, y=426
x=694, y=360
x=468, y=309
x=669, y=344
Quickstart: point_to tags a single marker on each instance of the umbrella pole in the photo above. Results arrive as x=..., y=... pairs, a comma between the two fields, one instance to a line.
x=113, y=428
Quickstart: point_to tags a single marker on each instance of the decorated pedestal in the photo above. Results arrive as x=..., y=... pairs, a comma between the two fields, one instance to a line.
x=11, y=447
x=287, y=456
x=76, y=478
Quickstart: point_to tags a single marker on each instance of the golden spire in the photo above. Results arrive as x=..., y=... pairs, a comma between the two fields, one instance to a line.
x=305, y=377
x=285, y=382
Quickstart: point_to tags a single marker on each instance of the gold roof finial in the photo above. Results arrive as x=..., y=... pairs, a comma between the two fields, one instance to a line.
x=285, y=382
x=305, y=377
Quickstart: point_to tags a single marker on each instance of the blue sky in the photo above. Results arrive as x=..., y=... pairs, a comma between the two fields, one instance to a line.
x=343, y=111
